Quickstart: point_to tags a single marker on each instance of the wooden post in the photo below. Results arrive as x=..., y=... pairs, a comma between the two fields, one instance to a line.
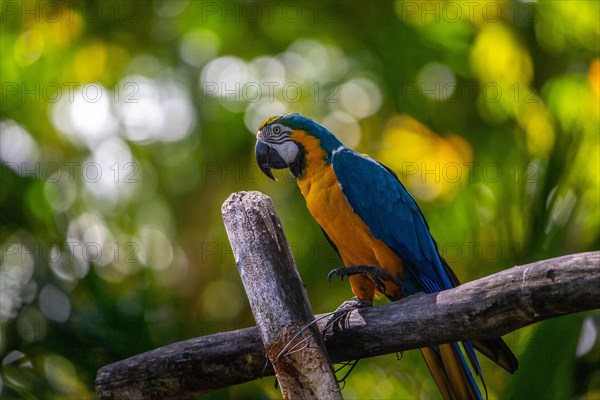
x=278, y=298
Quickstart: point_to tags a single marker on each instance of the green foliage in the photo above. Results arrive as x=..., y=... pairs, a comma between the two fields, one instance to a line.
x=125, y=125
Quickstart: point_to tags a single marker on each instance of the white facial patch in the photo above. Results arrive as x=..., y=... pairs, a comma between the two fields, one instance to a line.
x=288, y=150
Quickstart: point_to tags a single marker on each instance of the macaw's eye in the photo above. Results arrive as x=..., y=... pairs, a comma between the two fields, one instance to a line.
x=276, y=130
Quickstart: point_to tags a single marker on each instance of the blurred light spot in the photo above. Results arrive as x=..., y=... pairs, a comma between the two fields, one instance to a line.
x=314, y=52
x=199, y=46
x=54, y=304
x=536, y=121
x=15, y=367
x=111, y=173
x=64, y=30
x=224, y=78
x=344, y=126
x=298, y=66
x=153, y=111
x=267, y=69
x=435, y=166
x=572, y=102
x=337, y=64
x=65, y=265
x=170, y=8
x=436, y=81
x=360, y=97
x=563, y=206
x=17, y=357
x=90, y=63
x=60, y=373
x=310, y=60
x=89, y=241
x=256, y=113
x=142, y=114
x=18, y=150
x=59, y=115
x=87, y=117
x=155, y=248
x=29, y=47
x=29, y=291
x=179, y=111
x=588, y=338
x=499, y=58
x=60, y=190
x=180, y=276
x=16, y=272
x=485, y=203
x=143, y=65
x=222, y=300
x=122, y=259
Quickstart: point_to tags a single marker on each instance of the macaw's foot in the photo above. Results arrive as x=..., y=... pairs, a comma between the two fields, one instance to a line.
x=352, y=304
x=373, y=272
x=339, y=318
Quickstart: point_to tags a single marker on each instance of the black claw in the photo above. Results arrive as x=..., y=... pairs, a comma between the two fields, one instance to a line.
x=338, y=271
x=380, y=285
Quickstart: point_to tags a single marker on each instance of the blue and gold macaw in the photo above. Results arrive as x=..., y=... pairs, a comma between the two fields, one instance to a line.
x=373, y=222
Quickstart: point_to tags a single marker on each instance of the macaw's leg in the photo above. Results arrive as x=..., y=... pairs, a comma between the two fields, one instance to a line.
x=365, y=280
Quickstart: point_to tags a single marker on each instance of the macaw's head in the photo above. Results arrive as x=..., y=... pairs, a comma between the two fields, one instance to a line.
x=285, y=141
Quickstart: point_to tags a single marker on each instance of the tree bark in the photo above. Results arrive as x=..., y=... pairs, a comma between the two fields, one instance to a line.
x=278, y=298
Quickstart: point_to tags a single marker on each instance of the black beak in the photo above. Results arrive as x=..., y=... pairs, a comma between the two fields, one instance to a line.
x=267, y=158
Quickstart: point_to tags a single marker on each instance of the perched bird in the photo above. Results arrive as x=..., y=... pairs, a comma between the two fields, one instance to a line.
x=379, y=232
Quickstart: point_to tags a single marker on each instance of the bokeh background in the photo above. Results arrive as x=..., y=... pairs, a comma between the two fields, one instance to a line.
x=125, y=125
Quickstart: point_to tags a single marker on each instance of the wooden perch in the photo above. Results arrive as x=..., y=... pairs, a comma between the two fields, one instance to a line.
x=278, y=298
x=488, y=307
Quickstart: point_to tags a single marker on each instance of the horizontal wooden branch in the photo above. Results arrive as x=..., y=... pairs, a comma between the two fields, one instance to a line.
x=485, y=308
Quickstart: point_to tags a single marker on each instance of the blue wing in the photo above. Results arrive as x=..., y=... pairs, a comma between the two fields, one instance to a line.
x=378, y=197
x=381, y=201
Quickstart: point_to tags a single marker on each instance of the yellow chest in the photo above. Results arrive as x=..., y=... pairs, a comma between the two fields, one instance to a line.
x=352, y=237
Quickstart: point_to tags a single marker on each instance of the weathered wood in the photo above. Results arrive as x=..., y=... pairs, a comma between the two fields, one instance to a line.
x=488, y=307
x=186, y=369
x=278, y=298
